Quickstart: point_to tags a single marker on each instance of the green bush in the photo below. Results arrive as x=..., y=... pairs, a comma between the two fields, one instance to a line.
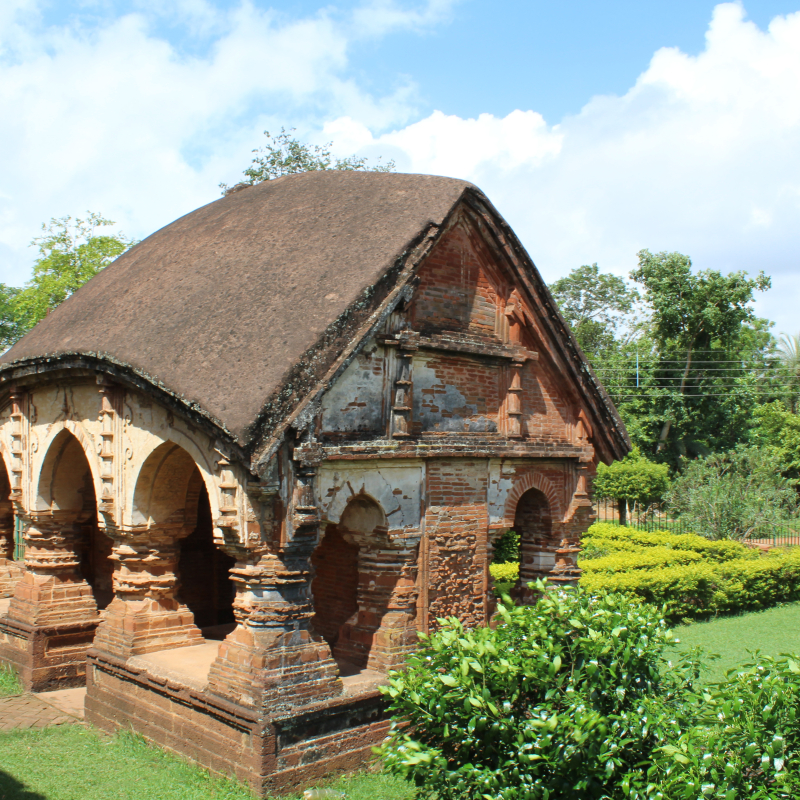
x=564, y=699
x=744, y=740
x=734, y=495
x=504, y=572
x=603, y=538
x=571, y=698
x=688, y=575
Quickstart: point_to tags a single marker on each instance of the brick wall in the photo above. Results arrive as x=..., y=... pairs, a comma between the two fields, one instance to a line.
x=455, y=292
x=456, y=525
x=455, y=393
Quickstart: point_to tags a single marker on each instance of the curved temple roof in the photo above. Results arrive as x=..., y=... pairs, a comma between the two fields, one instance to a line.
x=239, y=307
x=219, y=305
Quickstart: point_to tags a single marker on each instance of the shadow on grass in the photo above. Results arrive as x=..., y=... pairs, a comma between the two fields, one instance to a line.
x=12, y=789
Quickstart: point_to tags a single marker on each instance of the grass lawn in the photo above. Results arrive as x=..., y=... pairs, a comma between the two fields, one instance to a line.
x=9, y=683
x=78, y=763
x=774, y=631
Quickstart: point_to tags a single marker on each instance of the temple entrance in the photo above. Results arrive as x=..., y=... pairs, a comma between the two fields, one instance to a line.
x=66, y=490
x=365, y=590
x=533, y=522
x=172, y=500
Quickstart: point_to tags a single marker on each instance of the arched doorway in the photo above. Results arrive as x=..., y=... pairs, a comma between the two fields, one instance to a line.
x=534, y=524
x=66, y=491
x=204, y=583
x=171, y=497
x=362, y=526
x=365, y=590
x=335, y=584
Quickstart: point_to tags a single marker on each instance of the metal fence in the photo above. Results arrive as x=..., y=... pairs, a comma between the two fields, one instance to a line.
x=655, y=518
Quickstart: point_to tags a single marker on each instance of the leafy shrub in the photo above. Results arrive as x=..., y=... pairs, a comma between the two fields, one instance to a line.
x=603, y=538
x=688, y=575
x=735, y=494
x=641, y=558
x=504, y=572
x=505, y=577
x=506, y=548
x=744, y=741
x=571, y=698
x=563, y=699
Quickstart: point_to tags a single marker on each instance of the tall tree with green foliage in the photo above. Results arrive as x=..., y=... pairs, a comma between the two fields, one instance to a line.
x=693, y=313
x=596, y=305
x=777, y=430
x=788, y=352
x=286, y=155
x=70, y=253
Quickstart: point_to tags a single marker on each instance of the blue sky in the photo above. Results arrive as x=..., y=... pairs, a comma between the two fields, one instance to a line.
x=596, y=128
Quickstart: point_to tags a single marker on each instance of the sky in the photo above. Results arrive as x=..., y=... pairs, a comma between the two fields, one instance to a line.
x=596, y=129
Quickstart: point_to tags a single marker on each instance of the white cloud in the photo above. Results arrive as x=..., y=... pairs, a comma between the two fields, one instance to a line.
x=112, y=117
x=702, y=155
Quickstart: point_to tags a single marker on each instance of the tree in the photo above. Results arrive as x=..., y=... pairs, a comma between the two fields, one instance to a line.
x=70, y=253
x=733, y=495
x=286, y=155
x=693, y=313
x=634, y=479
x=777, y=430
x=595, y=305
x=788, y=352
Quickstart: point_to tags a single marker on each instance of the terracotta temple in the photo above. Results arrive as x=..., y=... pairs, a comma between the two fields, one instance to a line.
x=249, y=461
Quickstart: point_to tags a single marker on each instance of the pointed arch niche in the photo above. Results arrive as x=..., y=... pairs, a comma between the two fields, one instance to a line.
x=66, y=493
x=365, y=589
x=533, y=522
x=10, y=570
x=171, y=497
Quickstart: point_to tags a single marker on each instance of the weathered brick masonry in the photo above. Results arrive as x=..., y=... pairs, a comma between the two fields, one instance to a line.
x=245, y=492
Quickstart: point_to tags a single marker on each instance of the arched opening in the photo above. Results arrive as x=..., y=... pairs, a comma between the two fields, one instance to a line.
x=353, y=585
x=534, y=524
x=6, y=516
x=171, y=495
x=66, y=489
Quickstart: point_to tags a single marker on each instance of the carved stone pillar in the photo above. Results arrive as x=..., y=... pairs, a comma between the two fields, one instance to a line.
x=514, y=401
x=402, y=402
x=52, y=591
x=273, y=659
x=145, y=615
x=383, y=630
x=581, y=516
x=52, y=615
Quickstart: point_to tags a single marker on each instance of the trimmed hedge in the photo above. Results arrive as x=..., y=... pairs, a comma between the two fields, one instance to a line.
x=603, y=538
x=686, y=574
x=503, y=573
